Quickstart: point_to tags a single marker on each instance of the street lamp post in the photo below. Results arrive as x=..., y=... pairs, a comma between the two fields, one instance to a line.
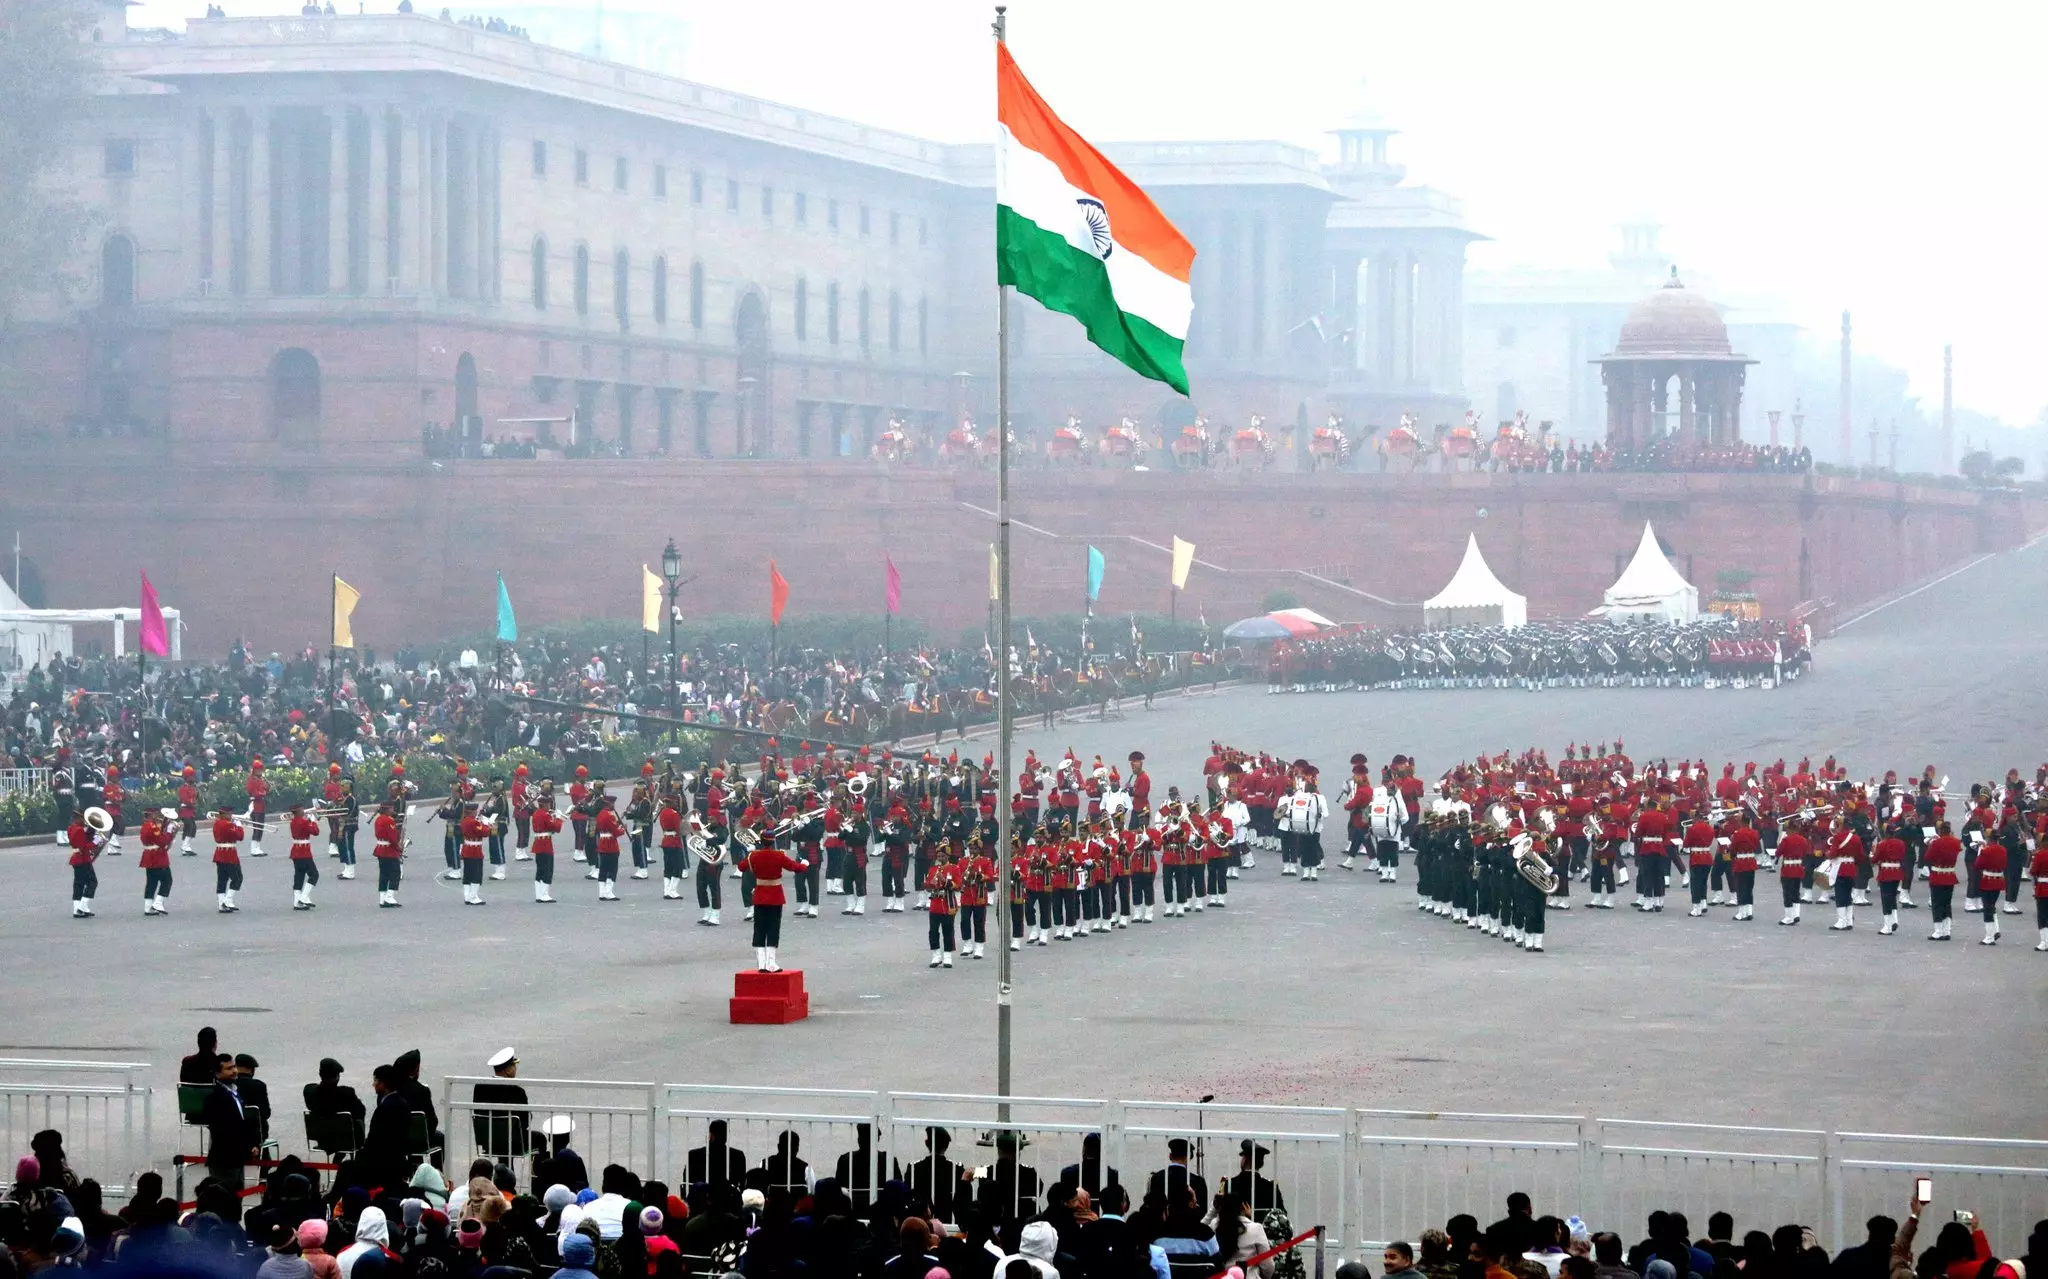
x=671, y=569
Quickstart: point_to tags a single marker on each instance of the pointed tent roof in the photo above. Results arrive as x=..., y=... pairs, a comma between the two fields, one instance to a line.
x=1475, y=586
x=1649, y=574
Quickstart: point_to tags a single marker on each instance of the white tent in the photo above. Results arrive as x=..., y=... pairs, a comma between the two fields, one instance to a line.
x=31, y=636
x=1650, y=588
x=1474, y=597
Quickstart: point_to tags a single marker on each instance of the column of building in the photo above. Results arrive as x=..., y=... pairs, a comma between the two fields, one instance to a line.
x=340, y=201
x=260, y=218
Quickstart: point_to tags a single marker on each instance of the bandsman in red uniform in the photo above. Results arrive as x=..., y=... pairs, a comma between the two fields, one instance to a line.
x=765, y=866
x=389, y=853
x=227, y=859
x=942, y=898
x=522, y=815
x=1216, y=855
x=1991, y=872
x=605, y=831
x=1943, y=854
x=111, y=798
x=669, y=819
x=1744, y=846
x=156, y=861
x=1141, y=794
x=1845, y=849
x=476, y=832
x=1020, y=869
x=188, y=809
x=579, y=814
x=1889, y=866
x=544, y=824
x=85, y=844
x=1793, y=851
x=330, y=799
x=1653, y=832
x=305, y=871
x=258, y=789
x=1699, y=862
x=1037, y=879
x=1141, y=861
x=977, y=883
x=2038, y=868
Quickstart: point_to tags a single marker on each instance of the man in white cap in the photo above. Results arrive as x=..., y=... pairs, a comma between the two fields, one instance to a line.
x=555, y=1164
x=502, y=1134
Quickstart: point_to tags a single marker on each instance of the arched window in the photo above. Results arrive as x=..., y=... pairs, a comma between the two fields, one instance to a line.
x=661, y=290
x=801, y=317
x=697, y=295
x=622, y=288
x=540, y=271
x=579, y=282
x=117, y=271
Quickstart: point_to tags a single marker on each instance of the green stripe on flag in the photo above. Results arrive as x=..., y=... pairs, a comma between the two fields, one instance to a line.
x=1063, y=278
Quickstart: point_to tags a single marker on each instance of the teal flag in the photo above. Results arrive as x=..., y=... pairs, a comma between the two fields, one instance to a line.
x=1094, y=575
x=508, y=625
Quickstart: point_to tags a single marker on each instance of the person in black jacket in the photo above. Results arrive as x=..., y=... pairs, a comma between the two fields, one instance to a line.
x=502, y=1133
x=1167, y=1182
x=230, y=1127
x=1089, y=1174
x=715, y=1163
x=255, y=1095
x=202, y=1067
x=385, y=1147
x=330, y=1096
x=417, y=1095
x=862, y=1170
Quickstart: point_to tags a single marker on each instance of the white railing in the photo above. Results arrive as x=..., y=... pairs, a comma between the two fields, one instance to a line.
x=101, y=1108
x=20, y=781
x=1369, y=1175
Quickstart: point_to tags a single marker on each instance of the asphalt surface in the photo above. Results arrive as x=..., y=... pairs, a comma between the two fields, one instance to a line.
x=1332, y=993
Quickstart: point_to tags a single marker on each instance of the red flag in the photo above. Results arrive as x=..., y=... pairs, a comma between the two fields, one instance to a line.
x=778, y=594
x=892, y=592
x=155, y=640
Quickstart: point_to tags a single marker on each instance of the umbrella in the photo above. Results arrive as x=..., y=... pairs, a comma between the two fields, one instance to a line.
x=1285, y=624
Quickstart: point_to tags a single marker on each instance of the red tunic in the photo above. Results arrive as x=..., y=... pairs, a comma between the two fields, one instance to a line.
x=1991, y=868
x=475, y=830
x=1793, y=849
x=302, y=832
x=1742, y=848
x=188, y=802
x=2039, y=867
x=1890, y=856
x=227, y=833
x=609, y=828
x=766, y=865
x=546, y=822
x=388, y=848
x=1942, y=854
x=671, y=820
x=156, y=845
x=1699, y=844
x=937, y=882
x=80, y=837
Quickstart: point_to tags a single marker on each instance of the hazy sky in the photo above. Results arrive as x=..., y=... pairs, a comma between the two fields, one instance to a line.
x=1880, y=156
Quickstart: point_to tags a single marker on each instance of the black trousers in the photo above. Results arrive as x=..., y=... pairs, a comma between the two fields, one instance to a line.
x=1088, y=902
x=1120, y=888
x=1219, y=878
x=853, y=875
x=1698, y=876
x=1790, y=888
x=1717, y=878
x=1745, y=886
x=639, y=844
x=672, y=862
x=495, y=850
x=472, y=870
x=767, y=925
x=1652, y=874
x=543, y=868
x=1602, y=880
x=607, y=867
x=1390, y=853
x=156, y=882
x=451, y=847
x=1016, y=919
x=1989, y=902
x=1141, y=887
x=85, y=881
x=2040, y=911
x=387, y=874
x=1038, y=908
x=1845, y=887
x=305, y=873
x=226, y=875
x=1941, y=901
x=348, y=845
x=710, y=896
x=1070, y=906
x=807, y=881
x=1888, y=895
x=974, y=923
x=892, y=877
x=522, y=825
x=938, y=931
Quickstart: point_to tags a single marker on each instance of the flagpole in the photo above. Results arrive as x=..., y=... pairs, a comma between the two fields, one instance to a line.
x=1005, y=720
x=333, y=594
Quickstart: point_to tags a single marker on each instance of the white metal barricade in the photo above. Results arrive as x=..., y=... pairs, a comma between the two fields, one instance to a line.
x=1764, y=1176
x=2003, y=1180
x=801, y=1135
x=616, y=1122
x=102, y=1109
x=1414, y=1169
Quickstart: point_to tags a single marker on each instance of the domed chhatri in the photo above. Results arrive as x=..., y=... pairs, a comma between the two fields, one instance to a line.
x=1674, y=322
x=1673, y=375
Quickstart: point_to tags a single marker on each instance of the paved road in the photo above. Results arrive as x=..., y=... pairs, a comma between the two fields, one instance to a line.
x=1337, y=992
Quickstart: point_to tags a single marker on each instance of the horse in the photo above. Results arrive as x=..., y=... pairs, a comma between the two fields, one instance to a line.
x=1191, y=447
x=1068, y=444
x=1252, y=446
x=1329, y=448
x=1124, y=443
x=892, y=445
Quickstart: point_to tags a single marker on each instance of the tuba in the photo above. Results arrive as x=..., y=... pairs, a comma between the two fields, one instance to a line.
x=1534, y=866
x=857, y=785
x=99, y=819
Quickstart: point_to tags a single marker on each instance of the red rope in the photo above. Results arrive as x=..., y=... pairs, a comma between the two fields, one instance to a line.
x=1273, y=1251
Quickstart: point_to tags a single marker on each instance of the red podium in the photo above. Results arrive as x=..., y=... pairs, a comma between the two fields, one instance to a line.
x=769, y=999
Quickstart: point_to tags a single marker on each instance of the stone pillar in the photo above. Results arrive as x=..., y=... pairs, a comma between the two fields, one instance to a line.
x=433, y=202
x=258, y=244
x=201, y=209
x=407, y=228
x=340, y=199
x=376, y=203
x=1688, y=406
x=489, y=184
x=226, y=214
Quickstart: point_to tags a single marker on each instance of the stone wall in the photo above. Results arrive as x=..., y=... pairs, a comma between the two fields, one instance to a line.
x=244, y=543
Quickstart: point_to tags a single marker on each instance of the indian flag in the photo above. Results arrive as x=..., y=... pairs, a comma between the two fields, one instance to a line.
x=1082, y=238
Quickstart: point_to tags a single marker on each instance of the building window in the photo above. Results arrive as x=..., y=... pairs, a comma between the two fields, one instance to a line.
x=732, y=195
x=696, y=187
x=832, y=313
x=697, y=295
x=579, y=280
x=895, y=321
x=863, y=219
x=802, y=313
x=540, y=273
x=861, y=320
x=661, y=182
x=619, y=174
x=768, y=203
x=803, y=209
x=120, y=158
x=540, y=158
x=895, y=227
x=924, y=315
x=117, y=271
x=832, y=214
x=661, y=290
x=1507, y=335
x=582, y=167
x=622, y=288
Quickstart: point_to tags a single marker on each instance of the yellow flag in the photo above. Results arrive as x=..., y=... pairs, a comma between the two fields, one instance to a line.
x=345, y=597
x=650, y=601
x=994, y=590
x=1183, y=560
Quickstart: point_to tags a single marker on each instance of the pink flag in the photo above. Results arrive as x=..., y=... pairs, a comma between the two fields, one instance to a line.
x=155, y=640
x=892, y=591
